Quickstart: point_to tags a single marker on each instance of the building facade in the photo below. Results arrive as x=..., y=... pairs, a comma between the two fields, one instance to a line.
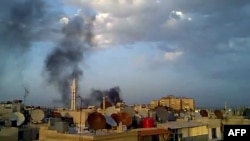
x=176, y=103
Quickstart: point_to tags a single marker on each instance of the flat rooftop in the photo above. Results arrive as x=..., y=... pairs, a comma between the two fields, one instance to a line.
x=181, y=124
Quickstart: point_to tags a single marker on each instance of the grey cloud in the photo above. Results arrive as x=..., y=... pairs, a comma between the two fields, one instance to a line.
x=22, y=23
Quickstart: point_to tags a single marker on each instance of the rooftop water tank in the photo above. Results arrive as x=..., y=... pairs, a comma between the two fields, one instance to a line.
x=147, y=122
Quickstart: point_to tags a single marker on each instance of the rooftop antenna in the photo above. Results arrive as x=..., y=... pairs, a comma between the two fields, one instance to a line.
x=26, y=92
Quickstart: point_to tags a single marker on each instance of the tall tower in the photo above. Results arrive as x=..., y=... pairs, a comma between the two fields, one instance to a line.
x=73, y=94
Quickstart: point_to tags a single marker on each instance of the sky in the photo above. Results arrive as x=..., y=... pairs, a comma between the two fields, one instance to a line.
x=150, y=49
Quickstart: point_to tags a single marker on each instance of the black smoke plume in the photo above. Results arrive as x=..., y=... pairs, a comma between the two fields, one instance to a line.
x=62, y=64
x=22, y=22
x=96, y=96
x=114, y=95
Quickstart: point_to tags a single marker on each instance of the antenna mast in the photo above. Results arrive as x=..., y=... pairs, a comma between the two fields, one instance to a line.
x=26, y=92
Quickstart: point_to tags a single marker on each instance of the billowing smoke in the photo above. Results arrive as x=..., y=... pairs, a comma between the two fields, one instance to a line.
x=22, y=22
x=62, y=64
x=96, y=96
x=114, y=95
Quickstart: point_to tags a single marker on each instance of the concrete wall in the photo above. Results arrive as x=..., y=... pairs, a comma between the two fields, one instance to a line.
x=28, y=134
x=49, y=135
x=197, y=131
x=196, y=138
x=175, y=103
x=193, y=131
x=232, y=121
x=9, y=134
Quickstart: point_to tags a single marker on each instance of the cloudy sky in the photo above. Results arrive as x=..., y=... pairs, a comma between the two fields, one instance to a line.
x=149, y=48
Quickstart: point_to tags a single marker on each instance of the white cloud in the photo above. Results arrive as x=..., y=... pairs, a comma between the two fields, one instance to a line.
x=170, y=56
x=64, y=20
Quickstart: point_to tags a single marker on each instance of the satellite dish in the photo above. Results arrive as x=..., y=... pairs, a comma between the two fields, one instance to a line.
x=218, y=114
x=126, y=118
x=96, y=121
x=110, y=121
x=20, y=118
x=182, y=115
x=110, y=110
x=13, y=117
x=204, y=113
x=129, y=110
x=186, y=118
x=37, y=115
x=143, y=113
x=162, y=113
x=123, y=118
x=197, y=115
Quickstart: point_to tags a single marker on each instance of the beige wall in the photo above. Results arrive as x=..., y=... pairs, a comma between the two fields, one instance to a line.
x=154, y=103
x=175, y=103
x=187, y=103
x=236, y=121
x=197, y=131
x=49, y=135
x=9, y=134
x=193, y=131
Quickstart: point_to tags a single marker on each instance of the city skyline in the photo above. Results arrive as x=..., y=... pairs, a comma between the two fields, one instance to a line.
x=149, y=49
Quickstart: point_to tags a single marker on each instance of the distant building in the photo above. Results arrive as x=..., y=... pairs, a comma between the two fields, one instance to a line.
x=10, y=107
x=154, y=103
x=176, y=103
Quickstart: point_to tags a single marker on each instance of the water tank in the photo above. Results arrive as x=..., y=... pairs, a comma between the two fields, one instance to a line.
x=147, y=122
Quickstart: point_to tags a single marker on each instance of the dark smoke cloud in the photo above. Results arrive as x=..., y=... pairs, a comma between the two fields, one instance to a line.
x=96, y=96
x=114, y=95
x=21, y=23
x=62, y=64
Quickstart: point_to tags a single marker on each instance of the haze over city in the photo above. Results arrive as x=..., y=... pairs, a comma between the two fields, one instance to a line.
x=150, y=49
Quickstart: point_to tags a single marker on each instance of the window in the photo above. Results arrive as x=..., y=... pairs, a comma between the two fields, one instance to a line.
x=214, y=136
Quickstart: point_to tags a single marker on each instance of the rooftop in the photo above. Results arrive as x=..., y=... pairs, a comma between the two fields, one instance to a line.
x=181, y=124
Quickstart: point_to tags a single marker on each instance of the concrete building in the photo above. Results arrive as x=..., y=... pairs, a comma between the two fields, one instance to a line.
x=7, y=108
x=177, y=103
x=187, y=103
x=214, y=128
x=154, y=104
x=186, y=130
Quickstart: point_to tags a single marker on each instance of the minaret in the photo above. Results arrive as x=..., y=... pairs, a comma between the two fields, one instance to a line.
x=73, y=94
